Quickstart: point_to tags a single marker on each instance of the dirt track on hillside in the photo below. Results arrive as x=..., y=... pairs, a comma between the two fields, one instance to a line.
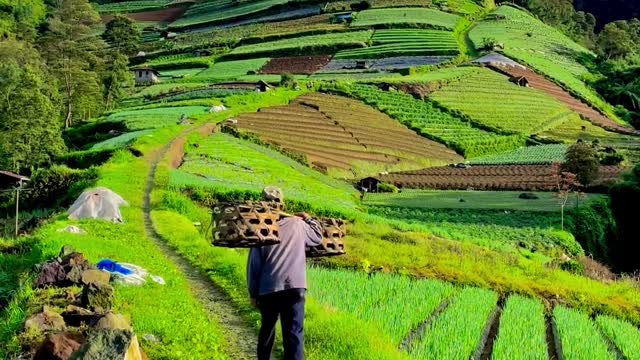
x=240, y=336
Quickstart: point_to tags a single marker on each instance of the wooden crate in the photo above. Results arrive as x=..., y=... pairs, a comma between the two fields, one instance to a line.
x=246, y=224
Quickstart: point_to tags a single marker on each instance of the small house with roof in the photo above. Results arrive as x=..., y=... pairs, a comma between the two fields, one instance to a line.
x=146, y=76
x=10, y=180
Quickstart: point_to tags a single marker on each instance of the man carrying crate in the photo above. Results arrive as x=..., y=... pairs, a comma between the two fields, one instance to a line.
x=276, y=276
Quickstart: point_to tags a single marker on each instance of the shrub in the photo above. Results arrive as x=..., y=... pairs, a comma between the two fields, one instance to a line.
x=612, y=159
x=287, y=80
x=85, y=159
x=387, y=188
x=572, y=266
x=528, y=196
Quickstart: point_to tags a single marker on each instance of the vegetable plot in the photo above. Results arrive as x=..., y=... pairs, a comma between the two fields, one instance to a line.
x=624, y=336
x=579, y=336
x=456, y=334
x=522, y=331
x=532, y=155
x=407, y=42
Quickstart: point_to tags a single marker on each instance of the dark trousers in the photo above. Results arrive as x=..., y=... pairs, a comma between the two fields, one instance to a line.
x=288, y=305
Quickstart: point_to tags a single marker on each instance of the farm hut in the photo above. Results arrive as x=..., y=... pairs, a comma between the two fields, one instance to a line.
x=9, y=180
x=362, y=65
x=520, y=81
x=146, y=76
x=369, y=184
x=262, y=86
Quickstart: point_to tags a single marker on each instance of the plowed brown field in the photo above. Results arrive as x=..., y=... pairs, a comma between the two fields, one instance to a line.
x=503, y=177
x=335, y=132
x=296, y=64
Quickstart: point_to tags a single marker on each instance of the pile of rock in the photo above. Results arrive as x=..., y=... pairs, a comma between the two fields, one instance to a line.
x=82, y=325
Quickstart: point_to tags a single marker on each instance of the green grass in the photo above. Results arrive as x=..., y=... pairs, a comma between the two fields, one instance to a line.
x=540, y=46
x=180, y=73
x=232, y=69
x=533, y=155
x=574, y=328
x=625, y=336
x=492, y=100
x=394, y=303
x=433, y=123
x=135, y=120
x=305, y=44
x=221, y=157
x=160, y=89
x=490, y=200
x=522, y=332
x=386, y=43
x=456, y=333
x=410, y=16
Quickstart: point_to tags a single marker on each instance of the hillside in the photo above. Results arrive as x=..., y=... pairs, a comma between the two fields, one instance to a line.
x=477, y=169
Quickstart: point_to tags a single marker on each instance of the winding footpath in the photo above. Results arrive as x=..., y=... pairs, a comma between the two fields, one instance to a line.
x=241, y=338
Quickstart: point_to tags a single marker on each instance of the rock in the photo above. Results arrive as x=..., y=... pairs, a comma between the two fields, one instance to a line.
x=66, y=250
x=72, y=230
x=74, y=258
x=114, y=322
x=76, y=271
x=59, y=346
x=47, y=320
x=110, y=345
x=94, y=276
x=97, y=297
x=77, y=316
x=51, y=274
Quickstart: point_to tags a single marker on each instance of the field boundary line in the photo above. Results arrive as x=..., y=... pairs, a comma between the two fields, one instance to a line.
x=557, y=342
x=240, y=337
x=417, y=334
x=489, y=334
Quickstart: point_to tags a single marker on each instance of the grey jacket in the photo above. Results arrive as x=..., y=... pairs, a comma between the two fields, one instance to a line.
x=281, y=267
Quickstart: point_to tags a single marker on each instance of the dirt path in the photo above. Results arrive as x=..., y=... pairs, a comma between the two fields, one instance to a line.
x=240, y=336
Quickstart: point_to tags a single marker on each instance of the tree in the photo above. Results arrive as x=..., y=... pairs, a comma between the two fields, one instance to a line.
x=614, y=42
x=582, y=160
x=566, y=184
x=122, y=34
x=21, y=17
x=70, y=48
x=115, y=78
x=29, y=135
x=625, y=197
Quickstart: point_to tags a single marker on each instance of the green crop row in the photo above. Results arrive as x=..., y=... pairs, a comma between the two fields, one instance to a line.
x=434, y=123
x=625, y=336
x=132, y=6
x=216, y=12
x=491, y=99
x=397, y=304
x=121, y=141
x=455, y=334
x=411, y=16
x=522, y=331
x=408, y=42
x=579, y=336
x=541, y=154
x=304, y=44
x=232, y=69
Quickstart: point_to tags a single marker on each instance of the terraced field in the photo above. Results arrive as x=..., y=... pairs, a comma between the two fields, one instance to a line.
x=405, y=42
x=489, y=177
x=539, y=46
x=532, y=155
x=406, y=16
x=212, y=12
x=595, y=117
x=132, y=6
x=385, y=64
x=232, y=69
x=492, y=100
x=434, y=123
x=335, y=132
x=295, y=65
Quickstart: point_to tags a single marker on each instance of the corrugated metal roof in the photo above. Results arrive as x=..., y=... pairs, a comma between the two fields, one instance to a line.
x=14, y=176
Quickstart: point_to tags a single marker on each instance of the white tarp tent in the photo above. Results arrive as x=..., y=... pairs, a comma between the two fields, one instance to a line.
x=99, y=203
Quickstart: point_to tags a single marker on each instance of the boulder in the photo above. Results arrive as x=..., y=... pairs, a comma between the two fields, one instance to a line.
x=66, y=250
x=47, y=320
x=114, y=322
x=95, y=276
x=110, y=345
x=77, y=316
x=51, y=274
x=97, y=297
x=59, y=346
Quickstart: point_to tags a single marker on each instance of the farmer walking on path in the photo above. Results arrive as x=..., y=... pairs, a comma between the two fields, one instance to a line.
x=276, y=276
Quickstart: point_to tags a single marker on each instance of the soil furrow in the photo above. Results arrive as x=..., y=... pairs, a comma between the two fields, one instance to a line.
x=418, y=333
